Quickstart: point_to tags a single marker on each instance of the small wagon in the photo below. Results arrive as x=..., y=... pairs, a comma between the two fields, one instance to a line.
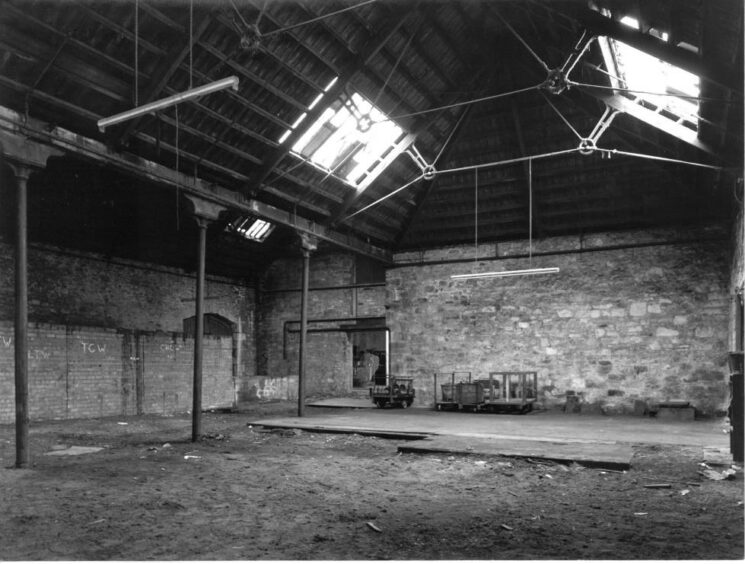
x=397, y=392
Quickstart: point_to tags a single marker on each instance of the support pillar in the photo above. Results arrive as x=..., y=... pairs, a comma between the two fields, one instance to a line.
x=196, y=414
x=308, y=244
x=204, y=213
x=21, y=317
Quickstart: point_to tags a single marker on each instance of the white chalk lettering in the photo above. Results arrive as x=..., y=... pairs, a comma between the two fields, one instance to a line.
x=37, y=354
x=93, y=347
x=7, y=341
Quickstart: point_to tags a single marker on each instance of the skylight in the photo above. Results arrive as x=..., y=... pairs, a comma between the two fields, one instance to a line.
x=352, y=140
x=253, y=229
x=645, y=75
x=312, y=105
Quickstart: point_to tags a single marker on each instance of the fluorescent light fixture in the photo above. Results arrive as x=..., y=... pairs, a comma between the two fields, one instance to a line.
x=506, y=273
x=230, y=82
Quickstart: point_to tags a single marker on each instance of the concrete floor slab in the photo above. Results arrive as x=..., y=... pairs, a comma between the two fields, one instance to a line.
x=537, y=426
x=596, y=455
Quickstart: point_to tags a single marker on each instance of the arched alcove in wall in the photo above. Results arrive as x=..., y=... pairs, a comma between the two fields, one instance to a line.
x=214, y=325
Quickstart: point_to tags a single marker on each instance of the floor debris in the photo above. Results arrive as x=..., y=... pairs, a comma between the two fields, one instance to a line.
x=374, y=527
x=74, y=451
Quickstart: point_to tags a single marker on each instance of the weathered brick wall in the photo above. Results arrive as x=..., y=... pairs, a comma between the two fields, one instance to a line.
x=77, y=372
x=329, y=354
x=85, y=289
x=641, y=320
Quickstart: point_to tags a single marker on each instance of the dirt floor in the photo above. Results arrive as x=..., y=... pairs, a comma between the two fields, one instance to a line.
x=246, y=493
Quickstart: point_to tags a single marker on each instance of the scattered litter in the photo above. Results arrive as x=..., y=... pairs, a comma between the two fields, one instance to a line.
x=155, y=449
x=451, y=458
x=723, y=475
x=549, y=476
x=96, y=521
x=374, y=527
x=658, y=486
x=685, y=492
x=188, y=456
x=505, y=464
x=214, y=436
x=640, y=514
x=513, y=493
x=506, y=527
x=166, y=445
x=609, y=471
x=469, y=448
x=121, y=423
x=480, y=463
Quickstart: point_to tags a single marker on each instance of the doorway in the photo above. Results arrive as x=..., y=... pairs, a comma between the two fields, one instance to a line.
x=369, y=357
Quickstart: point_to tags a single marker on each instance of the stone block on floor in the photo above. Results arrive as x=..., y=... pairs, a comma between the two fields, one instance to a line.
x=676, y=413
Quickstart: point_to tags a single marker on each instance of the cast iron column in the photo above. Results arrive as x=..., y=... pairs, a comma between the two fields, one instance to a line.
x=196, y=415
x=308, y=244
x=21, y=318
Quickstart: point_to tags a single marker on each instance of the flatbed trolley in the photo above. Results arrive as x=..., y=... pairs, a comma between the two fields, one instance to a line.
x=514, y=391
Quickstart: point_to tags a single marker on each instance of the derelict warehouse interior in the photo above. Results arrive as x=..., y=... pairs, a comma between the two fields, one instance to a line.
x=371, y=279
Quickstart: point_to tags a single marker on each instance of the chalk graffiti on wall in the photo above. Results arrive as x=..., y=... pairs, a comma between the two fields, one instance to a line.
x=268, y=390
x=93, y=347
x=32, y=354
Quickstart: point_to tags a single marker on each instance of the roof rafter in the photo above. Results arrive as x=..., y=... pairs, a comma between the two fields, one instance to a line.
x=351, y=65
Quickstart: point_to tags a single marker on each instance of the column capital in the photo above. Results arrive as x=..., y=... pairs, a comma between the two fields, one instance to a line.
x=308, y=243
x=204, y=210
x=23, y=156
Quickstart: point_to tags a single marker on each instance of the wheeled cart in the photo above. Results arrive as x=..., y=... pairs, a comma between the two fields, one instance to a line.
x=398, y=391
x=449, y=396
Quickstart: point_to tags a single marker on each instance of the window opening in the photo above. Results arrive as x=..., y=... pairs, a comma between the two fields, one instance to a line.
x=632, y=69
x=252, y=229
x=352, y=140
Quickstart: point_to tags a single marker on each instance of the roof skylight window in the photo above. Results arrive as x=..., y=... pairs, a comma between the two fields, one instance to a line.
x=352, y=140
x=646, y=75
x=252, y=229
x=312, y=105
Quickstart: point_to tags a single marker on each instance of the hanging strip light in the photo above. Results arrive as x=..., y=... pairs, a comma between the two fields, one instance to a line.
x=230, y=82
x=507, y=273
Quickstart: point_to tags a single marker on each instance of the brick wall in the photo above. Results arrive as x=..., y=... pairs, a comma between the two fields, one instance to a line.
x=630, y=318
x=85, y=289
x=77, y=372
x=91, y=316
x=329, y=354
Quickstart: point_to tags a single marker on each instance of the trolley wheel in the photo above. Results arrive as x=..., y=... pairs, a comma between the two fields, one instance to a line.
x=380, y=403
x=405, y=404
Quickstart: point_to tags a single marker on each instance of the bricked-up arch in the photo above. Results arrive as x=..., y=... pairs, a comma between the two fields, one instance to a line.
x=214, y=325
